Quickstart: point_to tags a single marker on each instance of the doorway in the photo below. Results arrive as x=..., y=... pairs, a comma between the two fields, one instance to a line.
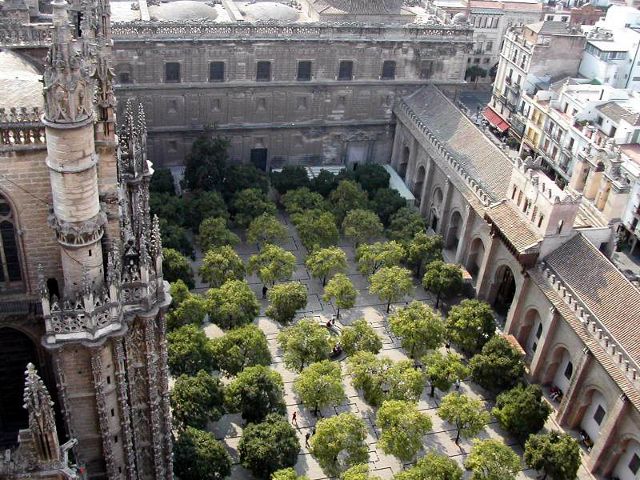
x=259, y=158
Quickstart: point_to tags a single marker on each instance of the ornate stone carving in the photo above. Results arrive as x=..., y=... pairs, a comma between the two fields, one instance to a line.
x=78, y=233
x=107, y=441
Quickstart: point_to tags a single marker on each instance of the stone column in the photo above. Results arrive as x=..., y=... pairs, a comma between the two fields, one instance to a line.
x=465, y=233
x=483, y=281
x=517, y=306
x=125, y=410
x=544, y=345
x=397, y=147
x=426, y=186
x=444, y=213
x=601, y=450
x=411, y=166
x=155, y=406
x=103, y=420
x=567, y=409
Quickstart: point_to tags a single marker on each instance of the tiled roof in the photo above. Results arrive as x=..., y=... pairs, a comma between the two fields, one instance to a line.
x=549, y=27
x=518, y=230
x=481, y=159
x=601, y=356
x=359, y=7
x=598, y=284
x=617, y=112
x=20, y=83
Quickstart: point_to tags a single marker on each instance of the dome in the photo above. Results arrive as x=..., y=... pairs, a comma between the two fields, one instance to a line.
x=269, y=11
x=20, y=82
x=182, y=10
x=460, y=18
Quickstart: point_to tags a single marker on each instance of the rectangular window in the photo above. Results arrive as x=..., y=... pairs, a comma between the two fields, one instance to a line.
x=599, y=415
x=388, y=70
x=304, y=70
x=172, y=72
x=216, y=72
x=124, y=77
x=345, y=71
x=263, y=71
x=634, y=464
x=539, y=331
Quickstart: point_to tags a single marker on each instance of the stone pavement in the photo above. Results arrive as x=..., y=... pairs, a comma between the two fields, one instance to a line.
x=440, y=439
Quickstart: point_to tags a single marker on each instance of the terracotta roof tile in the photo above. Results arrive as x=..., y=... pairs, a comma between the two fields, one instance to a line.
x=518, y=230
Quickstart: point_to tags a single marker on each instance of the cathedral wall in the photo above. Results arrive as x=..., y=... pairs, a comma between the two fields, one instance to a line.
x=317, y=111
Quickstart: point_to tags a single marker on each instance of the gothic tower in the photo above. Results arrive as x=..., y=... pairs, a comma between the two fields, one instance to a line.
x=106, y=331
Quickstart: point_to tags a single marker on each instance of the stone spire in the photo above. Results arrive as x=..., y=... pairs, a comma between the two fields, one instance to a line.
x=42, y=425
x=68, y=87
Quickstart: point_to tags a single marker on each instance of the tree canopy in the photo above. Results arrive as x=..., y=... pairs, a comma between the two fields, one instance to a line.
x=403, y=427
x=360, y=336
x=303, y=343
x=522, y=411
x=443, y=279
x=268, y=446
x=290, y=177
x=492, y=460
x=498, y=366
x=390, y=284
x=443, y=370
x=470, y=325
x=465, y=413
x=241, y=177
x=422, y=250
x=339, y=443
x=197, y=455
x=220, y=265
x=174, y=236
x=179, y=293
x=162, y=182
x=320, y=385
x=432, y=466
x=324, y=183
x=316, y=228
x=342, y=291
x=555, y=454
x=287, y=474
x=285, y=299
x=361, y=226
x=189, y=351
x=324, y=262
x=272, y=264
x=176, y=266
x=168, y=207
x=206, y=163
x=266, y=228
x=371, y=177
x=302, y=199
x=256, y=392
x=359, y=472
x=232, y=305
x=213, y=232
x=404, y=224
x=191, y=311
x=419, y=328
x=249, y=204
x=196, y=400
x=240, y=348
x=383, y=379
x=203, y=205
x=386, y=202
x=372, y=257
x=347, y=196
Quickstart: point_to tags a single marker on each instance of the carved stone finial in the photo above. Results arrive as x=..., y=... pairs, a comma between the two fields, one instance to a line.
x=156, y=237
x=42, y=424
x=42, y=284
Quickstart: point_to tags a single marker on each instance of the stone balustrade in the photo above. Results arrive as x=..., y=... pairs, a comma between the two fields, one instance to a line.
x=16, y=35
x=21, y=128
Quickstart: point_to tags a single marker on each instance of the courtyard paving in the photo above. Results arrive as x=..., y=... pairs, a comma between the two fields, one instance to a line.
x=440, y=439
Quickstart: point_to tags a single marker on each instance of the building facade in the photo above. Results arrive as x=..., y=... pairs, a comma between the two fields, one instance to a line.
x=536, y=256
x=82, y=295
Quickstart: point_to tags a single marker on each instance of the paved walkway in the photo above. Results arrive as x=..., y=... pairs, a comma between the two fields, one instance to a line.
x=440, y=439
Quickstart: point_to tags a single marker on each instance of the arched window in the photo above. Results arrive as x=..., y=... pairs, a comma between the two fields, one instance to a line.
x=568, y=371
x=9, y=256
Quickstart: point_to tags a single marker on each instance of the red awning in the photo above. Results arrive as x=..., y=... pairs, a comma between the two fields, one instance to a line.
x=495, y=119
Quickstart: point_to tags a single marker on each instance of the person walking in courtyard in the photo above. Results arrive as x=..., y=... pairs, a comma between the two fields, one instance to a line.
x=264, y=291
x=306, y=439
x=294, y=419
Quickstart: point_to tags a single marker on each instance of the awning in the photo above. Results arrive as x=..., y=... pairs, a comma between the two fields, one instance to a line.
x=494, y=119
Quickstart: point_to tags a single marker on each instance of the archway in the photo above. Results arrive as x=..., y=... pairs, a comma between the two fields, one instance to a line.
x=592, y=413
x=506, y=289
x=474, y=259
x=404, y=162
x=16, y=351
x=628, y=464
x=452, y=239
x=435, y=208
x=417, y=185
x=530, y=331
x=560, y=369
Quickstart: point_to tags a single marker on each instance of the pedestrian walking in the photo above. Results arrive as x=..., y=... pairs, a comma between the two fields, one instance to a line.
x=306, y=439
x=447, y=346
x=264, y=291
x=458, y=384
x=294, y=418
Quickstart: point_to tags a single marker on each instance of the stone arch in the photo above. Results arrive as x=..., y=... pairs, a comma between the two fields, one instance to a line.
x=434, y=213
x=558, y=372
x=503, y=289
x=475, y=257
x=591, y=407
x=626, y=459
x=452, y=237
x=419, y=182
x=404, y=162
x=530, y=330
x=13, y=272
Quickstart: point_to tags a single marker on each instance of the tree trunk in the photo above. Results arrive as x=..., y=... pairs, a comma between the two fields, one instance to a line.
x=324, y=280
x=458, y=437
x=338, y=313
x=433, y=390
x=315, y=411
x=418, y=270
x=388, y=305
x=437, y=299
